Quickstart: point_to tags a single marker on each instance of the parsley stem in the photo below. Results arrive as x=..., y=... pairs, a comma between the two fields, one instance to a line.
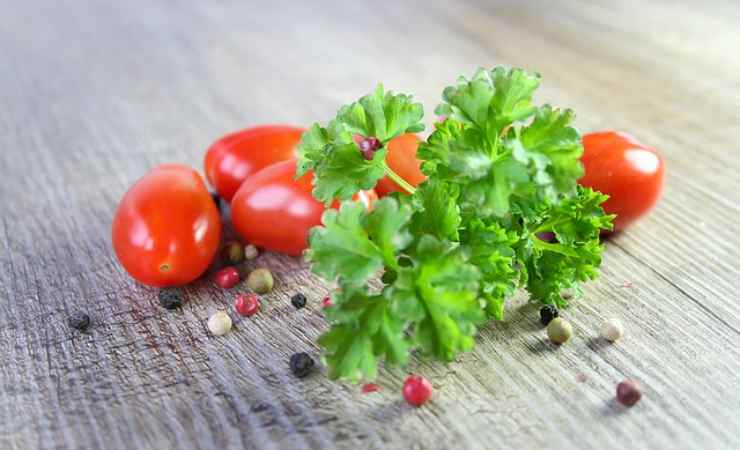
x=397, y=178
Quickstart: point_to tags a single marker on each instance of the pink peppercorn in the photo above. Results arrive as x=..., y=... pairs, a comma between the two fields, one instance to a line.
x=326, y=302
x=628, y=392
x=417, y=390
x=247, y=305
x=227, y=277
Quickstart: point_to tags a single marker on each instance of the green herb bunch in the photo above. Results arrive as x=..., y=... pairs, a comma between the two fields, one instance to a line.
x=500, y=170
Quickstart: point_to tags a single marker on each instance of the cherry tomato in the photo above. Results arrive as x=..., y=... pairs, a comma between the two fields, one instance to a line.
x=630, y=172
x=234, y=157
x=166, y=229
x=401, y=158
x=273, y=211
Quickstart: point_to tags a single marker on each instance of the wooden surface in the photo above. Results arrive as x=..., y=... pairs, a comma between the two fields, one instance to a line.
x=94, y=93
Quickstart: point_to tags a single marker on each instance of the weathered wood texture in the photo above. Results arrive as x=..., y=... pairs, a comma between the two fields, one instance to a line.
x=93, y=93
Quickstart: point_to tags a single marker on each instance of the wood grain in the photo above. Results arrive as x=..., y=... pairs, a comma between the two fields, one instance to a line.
x=94, y=93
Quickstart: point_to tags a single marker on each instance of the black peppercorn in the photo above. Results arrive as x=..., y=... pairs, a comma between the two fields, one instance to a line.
x=216, y=200
x=547, y=313
x=78, y=320
x=301, y=364
x=170, y=298
x=298, y=300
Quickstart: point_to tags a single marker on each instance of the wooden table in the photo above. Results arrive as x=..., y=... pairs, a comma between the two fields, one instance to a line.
x=94, y=93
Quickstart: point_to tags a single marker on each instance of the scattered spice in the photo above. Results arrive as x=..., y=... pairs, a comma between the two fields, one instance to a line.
x=581, y=377
x=170, y=298
x=219, y=323
x=326, y=302
x=298, y=300
x=216, y=200
x=547, y=313
x=247, y=305
x=233, y=252
x=368, y=147
x=260, y=281
x=629, y=392
x=612, y=330
x=78, y=320
x=370, y=387
x=627, y=284
x=251, y=252
x=416, y=390
x=301, y=364
x=559, y=330
x=227, y=277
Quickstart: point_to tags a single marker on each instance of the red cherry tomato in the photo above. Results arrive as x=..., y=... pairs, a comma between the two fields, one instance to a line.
x=401, y=158
x=234, y=157
x=166, y=230
x=417, y=390
x=273, y=211
x=630, y=172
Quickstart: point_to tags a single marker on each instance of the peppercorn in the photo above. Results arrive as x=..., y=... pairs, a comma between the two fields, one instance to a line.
x=260, y=281
x=326, y=302
x=170, y=298
x=78, y=320
x=559, y=330
x=370, y=387
x=233, y=252
x=301, y=364
x=612, y=330
x=251, y=252
x=368, y=147
x=629, y=392
x=547, y=313
x=227, y=277
x=216, y=200
x=219, y=323
x=247, y=305
x=298, y=300
x=416, y=390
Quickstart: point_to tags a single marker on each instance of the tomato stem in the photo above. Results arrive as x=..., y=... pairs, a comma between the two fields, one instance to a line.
x=399, y=181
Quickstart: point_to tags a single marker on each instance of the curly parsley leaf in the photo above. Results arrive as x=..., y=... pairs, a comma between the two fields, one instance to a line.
x=340, y=170
x=364, y=331
x=489, y=246
x=454, y=152
x=438, y=296
x=552, y=148
x=382, y=115
x=343, y=172
x=435, y=210
x=355, y=244
x=491, y=100
x=575, y=257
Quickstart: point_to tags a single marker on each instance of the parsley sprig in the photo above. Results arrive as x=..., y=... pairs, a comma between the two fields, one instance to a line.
x=500, y=170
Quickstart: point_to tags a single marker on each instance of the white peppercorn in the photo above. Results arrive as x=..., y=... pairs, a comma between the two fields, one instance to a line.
x=559, y=330
x=251, y=252
x=612, y=330
x=219, y=323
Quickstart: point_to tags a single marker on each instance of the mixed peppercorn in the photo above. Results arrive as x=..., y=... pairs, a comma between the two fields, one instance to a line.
x=416, y=390
x=78, y=320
